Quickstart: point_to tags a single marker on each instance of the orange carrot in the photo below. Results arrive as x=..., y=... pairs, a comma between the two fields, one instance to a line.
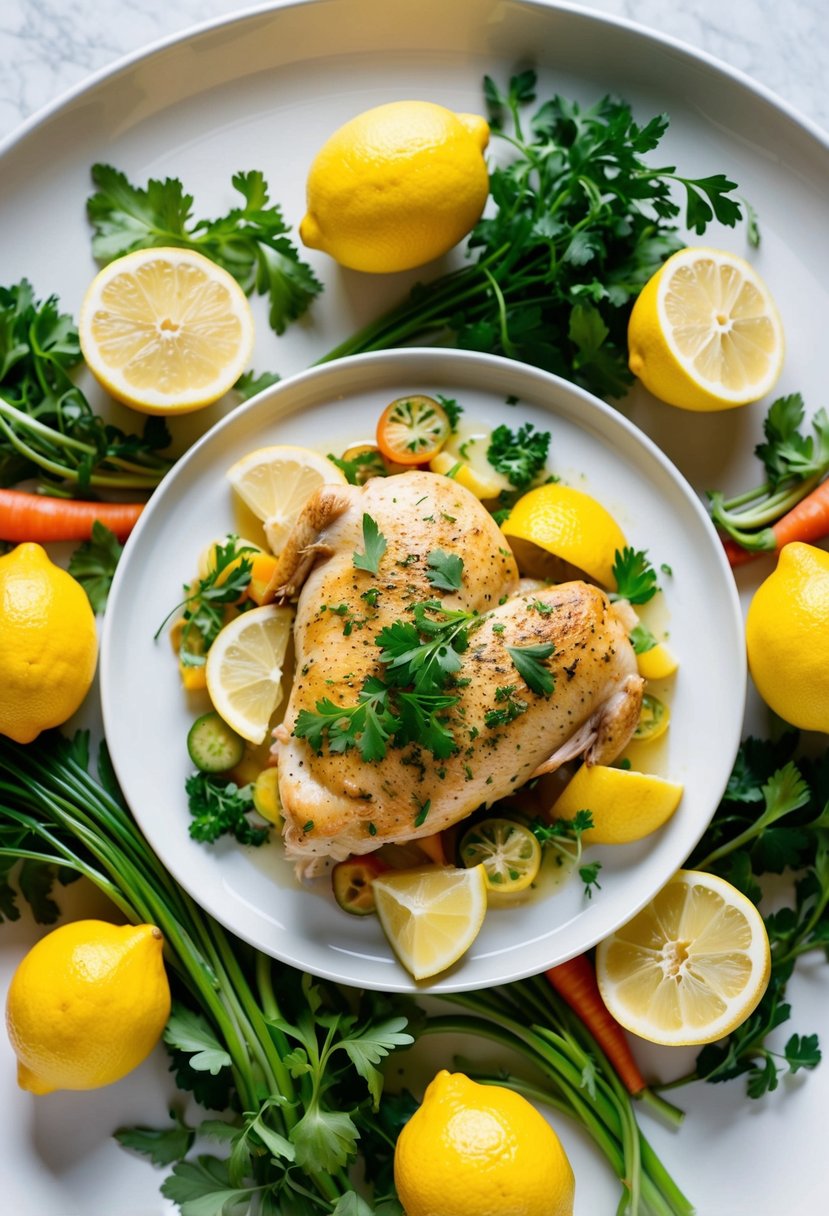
x=808, y=521
x=575, y=983
x=39, y=518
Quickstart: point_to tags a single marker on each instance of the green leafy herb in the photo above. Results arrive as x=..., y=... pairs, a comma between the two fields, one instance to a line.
x=578, y=221
x=509, y=707
x=444, y=570
x=529, y=663
x=635, y=576
x=374, y=544
x=641, y=639
x=452, y=409
x=358, y=469
x=520, y=455
x=368, y=725
x=48, y=429
x=202, y=609
x=250, y=241
x=190, y=1033
x=249, y=384
x=221, y=807
x=794, y=464
x=162, y=1145
x=564, y=837
x=93, y=564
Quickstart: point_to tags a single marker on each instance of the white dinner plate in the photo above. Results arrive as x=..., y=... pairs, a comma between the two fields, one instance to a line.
x=262, y=91
x=146, y=715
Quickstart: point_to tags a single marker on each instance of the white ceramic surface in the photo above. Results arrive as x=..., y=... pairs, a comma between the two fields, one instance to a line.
x=262, y=92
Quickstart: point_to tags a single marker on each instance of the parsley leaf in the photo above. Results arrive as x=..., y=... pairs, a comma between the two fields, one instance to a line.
x=520, y=455
x=221, y=807
x=374, y=543
x=249, y=384
x=162, y=1145
x=191, y=1033
x=635, y=576
x=359, y=468
x=641, y=639
x=444, y=570
x=202, y=609
x=93, y=564
x=528, y=662
x=250, y=241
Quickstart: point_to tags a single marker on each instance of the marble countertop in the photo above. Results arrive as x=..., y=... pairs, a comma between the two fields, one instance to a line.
x=49, y=46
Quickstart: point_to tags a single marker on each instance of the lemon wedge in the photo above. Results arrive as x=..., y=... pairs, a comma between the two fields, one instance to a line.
x=431, y=915
x=165, y=330
x=688, y=968
x=625, y=805
x=704, y=333
x=244, y=669
x=276, y=482
x=568, y=524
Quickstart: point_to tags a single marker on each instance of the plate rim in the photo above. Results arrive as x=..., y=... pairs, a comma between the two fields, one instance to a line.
x=124, y=63
x=407, y=360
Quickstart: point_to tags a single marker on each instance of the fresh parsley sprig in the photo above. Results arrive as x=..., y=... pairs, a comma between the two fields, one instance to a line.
x=93, y=564
x=635, y=576
x=529, y=663
x=203, y=607
x=220, y=807
x=564, y=837
x=520, y=455
x=579, y=220
x=251, y=241
x=374, y=546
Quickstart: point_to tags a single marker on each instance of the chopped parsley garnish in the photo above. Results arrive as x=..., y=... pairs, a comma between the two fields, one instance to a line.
x=529, y=664
x=520, y=455
x=641, y=639
x=374, y=543
x=510, y=707
x=221, y=807
x=444, y=570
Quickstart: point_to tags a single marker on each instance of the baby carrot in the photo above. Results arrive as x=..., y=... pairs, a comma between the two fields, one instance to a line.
x=808, y=521
x=575, y=983
x=37, y=517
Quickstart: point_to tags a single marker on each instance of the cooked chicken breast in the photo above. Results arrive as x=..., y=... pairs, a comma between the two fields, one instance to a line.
x=336, y=804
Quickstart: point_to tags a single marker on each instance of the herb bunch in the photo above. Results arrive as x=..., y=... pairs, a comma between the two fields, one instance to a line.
x=48, y=429
x=579, y=223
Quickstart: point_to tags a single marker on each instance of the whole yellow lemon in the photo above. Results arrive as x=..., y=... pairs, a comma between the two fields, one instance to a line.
x=48, y=644
x=86, y=1005
x=787, y=637
x=480, y=1150
x=397, y=186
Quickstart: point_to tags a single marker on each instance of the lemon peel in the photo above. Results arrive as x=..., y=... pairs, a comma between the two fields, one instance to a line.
x=396, y=186
x=48, y=644
x=625, y=805
x=480, y=1150
x=571, y=526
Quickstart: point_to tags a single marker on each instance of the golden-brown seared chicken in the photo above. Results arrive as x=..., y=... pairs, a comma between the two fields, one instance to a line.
x=337, y=803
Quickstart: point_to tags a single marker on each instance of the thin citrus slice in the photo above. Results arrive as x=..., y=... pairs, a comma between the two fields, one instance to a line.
x=431, y=915
x=509, y=853
x=625, y=805
x=276, y=482
x=165, y=330
x=657, y=663
x=688, y=968
x=704, y=333
x=244, y=669
x=569, y=525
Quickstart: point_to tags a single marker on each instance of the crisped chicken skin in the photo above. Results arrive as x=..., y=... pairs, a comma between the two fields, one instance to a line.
x=337, y=804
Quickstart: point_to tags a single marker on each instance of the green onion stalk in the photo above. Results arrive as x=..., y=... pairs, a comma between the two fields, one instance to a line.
x=54, y=814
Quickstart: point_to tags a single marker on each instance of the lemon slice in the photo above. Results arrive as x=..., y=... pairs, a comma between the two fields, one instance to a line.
x=657, y=663
x=704, y=333
x=569, y=525
x=654, y=719
x=166, y=330
x=276, y=482
x=625, y=805
x=244, y=669
x=431, y=915
x=509, y=853
x=265, y=794
x=690, y=967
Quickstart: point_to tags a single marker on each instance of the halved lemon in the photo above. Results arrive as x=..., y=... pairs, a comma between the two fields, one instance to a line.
x=657, y=663
x=165, y=330
x=276, y=482
x=688, y=968
x=568, y=524
x=431, y=915
x=509, y=853
x=704, y=333
x=625, y=805
x=244, y=669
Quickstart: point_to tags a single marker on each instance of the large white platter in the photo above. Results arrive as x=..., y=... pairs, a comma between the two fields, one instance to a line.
x=262, y=91
x=147, y=717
